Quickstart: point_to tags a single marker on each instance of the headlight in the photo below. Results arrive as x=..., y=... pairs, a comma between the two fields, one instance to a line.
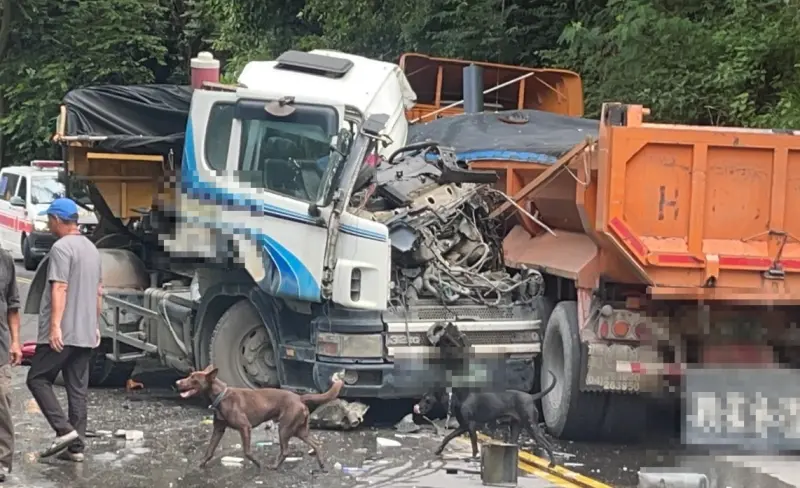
x=40, y=226
x=350, y=345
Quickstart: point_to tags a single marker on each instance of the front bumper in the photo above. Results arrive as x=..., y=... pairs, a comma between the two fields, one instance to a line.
x=40, y=243
x=402, y=363
x=388, y=381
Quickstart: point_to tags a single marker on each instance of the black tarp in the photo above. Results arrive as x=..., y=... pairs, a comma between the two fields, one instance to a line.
x=133, y=118
x=541, y=138
x=152, y=118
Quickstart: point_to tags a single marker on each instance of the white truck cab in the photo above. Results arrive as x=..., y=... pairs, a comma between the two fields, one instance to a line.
x=361, y=86
x=274, y=260
x=25, y=191
x=256, y=170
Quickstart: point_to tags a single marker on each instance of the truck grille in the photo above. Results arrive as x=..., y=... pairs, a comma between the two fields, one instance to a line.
x=434, y=313
x=476, y=338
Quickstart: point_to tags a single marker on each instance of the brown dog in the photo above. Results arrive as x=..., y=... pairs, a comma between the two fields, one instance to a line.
x=242, y=409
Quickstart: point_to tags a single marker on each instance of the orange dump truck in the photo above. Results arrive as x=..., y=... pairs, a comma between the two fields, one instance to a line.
x=663, y=247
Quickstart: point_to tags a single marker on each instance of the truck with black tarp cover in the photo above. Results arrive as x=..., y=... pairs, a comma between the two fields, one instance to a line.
x=282, y=229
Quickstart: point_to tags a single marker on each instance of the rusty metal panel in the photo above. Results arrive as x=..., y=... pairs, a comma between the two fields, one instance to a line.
x=566, y=254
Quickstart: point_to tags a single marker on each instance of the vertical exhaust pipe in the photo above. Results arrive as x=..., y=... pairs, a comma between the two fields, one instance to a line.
x=473, y=89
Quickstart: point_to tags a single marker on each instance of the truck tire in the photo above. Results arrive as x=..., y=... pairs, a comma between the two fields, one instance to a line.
x=543, y=308
x=241, y=348
x=568, y=412
x=28, y=261
x=104, y=372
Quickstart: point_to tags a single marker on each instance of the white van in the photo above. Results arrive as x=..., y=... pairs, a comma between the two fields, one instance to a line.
x=24, y=192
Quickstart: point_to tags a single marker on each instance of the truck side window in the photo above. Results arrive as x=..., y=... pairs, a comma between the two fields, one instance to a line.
x=9, y=185
x=218, y=135
x=23, y=189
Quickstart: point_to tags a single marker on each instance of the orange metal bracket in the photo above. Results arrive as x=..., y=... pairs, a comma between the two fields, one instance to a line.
x=529, y=189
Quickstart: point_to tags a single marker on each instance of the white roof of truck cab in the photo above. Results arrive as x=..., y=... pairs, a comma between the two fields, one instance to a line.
x=359, y=88
x=30, y=171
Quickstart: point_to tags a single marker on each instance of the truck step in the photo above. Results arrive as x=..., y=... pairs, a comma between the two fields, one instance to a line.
x=127, y=357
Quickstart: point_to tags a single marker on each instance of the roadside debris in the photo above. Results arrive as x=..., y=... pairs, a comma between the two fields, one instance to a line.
x=134, y=435
x=338, y=415
x=407, y=425
x=131, y=385
x=351, y=471
x=232, y=461
x=129, y=435
x=32, y=407
x=666, y=477
x=384, y=442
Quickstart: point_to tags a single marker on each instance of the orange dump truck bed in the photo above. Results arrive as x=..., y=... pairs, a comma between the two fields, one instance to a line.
x=690, y=212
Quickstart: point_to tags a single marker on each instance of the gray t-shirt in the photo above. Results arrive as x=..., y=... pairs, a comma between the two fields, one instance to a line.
x=9, y=300
x=74, y=260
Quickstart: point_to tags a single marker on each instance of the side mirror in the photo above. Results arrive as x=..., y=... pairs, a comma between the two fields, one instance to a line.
x=17, y=201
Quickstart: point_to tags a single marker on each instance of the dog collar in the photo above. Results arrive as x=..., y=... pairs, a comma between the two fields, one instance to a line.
x=218, y=399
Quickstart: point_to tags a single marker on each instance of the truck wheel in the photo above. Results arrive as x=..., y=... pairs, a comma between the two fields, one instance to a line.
x=105, y=372
x=242, y=350
x=543, y=307
x=568, y=412
x=28, y=260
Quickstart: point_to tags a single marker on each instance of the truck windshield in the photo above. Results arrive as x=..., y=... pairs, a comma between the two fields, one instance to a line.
x=288, y=155
x=45, y=190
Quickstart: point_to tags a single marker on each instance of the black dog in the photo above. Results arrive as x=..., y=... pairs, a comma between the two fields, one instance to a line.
x=472, y=408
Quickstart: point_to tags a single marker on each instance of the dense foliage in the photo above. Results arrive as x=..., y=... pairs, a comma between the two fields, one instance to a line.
x=729, y=62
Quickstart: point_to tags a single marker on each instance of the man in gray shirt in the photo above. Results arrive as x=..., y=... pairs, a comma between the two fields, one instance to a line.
x=10, y=355
x=68, y=330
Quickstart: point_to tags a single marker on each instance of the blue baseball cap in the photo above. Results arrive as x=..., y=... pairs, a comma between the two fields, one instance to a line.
x=63, y=208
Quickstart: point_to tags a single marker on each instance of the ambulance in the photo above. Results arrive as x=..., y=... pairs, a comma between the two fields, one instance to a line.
x=25, y=191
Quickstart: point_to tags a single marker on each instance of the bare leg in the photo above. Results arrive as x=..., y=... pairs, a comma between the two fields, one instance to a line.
x=284, y=441
x=473, y=437
x=305, y=437
x=516, y=430
x=536, y=433
x=452, y=435
x=216, y=436
x=245, y=433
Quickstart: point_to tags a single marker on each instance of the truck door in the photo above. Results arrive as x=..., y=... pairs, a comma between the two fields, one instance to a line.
x=256, y=175
x=8, y=189
x=20, y=214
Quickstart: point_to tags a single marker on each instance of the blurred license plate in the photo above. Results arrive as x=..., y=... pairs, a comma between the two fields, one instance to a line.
x=752, y=409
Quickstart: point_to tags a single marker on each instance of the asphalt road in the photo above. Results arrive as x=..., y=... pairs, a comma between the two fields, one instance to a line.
x=176, y=431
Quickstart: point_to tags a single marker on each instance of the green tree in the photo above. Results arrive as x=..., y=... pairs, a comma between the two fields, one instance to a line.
x=53, y=47
x=731, y=62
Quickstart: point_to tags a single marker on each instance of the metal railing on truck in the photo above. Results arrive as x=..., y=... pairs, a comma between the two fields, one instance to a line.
x=438, y=84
